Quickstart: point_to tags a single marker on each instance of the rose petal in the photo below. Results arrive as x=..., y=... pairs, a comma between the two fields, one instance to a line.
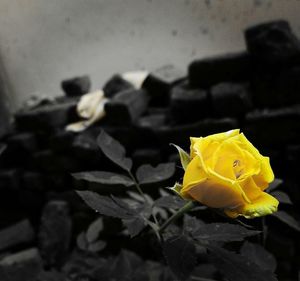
x=210, y=189
x=266, y=174
x=263, y=205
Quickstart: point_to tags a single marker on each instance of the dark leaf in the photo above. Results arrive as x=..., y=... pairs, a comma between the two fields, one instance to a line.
x=81, y=241
x=191, y=224
x=257, y=254
x=140, y=274
x=2, y=148
x=282, y=197
x=106, y=205
x=134, y=226
x=97, y=246
x=124, y=266
x=114, y=151
x=105, y=179
x=275, y=184
x=180, y=254
x=169, y=202
x=154, y=270
x=147, y=174
x=235, y=267
x=205, y=272
x=223, y=232
x=138, y=222
x=287, y=219
x=94, y=229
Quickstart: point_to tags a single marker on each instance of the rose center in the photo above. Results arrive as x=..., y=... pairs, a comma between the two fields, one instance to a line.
x=237, y=168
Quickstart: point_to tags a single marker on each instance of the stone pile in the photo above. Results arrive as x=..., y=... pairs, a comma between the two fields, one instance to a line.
x=257, y=90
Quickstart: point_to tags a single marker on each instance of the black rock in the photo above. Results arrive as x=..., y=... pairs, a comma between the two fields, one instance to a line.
x=145, y=128
x=55, y=233
x=84, y=147
x=293, y=160
x=76, y=86
x=25, y=265
x=189, y=105
x=152, y=120
x=9, y=186
x=48, y=161
x=272, y=42
x=61, y=141
x=129, y=136
x=52, y=276
x=273, y=128
x=115, y=85
x=125, y=107
x=180, y=134
x=18, y=150
x=146, y=156
x=159, y=82
x=31, y=194
x=23, y=141
x=276, y=88
x=15, y=235
x=223, y=68
x=47, y=117
x=10, y=209
x=230, y=99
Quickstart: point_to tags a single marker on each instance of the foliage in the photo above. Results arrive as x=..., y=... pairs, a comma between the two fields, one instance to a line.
x=184, y=243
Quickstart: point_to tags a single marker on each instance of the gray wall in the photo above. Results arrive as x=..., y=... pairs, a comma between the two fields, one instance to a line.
x=44, y=41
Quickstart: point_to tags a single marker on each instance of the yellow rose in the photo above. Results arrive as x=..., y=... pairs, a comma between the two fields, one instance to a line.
x=226, y=171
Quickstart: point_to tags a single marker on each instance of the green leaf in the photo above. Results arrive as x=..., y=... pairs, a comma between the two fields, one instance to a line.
x=146, y=174
x=114, y=151
x=287, y=219
x=259, y=255
x=176, y=188
x=180, y=254
x=236, y=267
x=184, y=156
x=282, y=197
x=223, y=232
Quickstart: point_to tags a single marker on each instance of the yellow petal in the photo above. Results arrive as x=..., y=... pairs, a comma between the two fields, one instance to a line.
x=266, y=174
x=210, y=189
x=216, y=195
x=250, y=188
x=263, y=205
x=205, y=141
x=193, y=175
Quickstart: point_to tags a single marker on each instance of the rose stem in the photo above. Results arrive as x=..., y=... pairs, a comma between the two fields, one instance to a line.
x=188, y=206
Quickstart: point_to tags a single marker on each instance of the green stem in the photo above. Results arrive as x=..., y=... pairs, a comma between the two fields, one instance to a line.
x=187, y=207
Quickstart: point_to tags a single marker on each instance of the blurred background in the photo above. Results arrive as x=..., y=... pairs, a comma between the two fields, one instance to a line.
x=43, y=42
